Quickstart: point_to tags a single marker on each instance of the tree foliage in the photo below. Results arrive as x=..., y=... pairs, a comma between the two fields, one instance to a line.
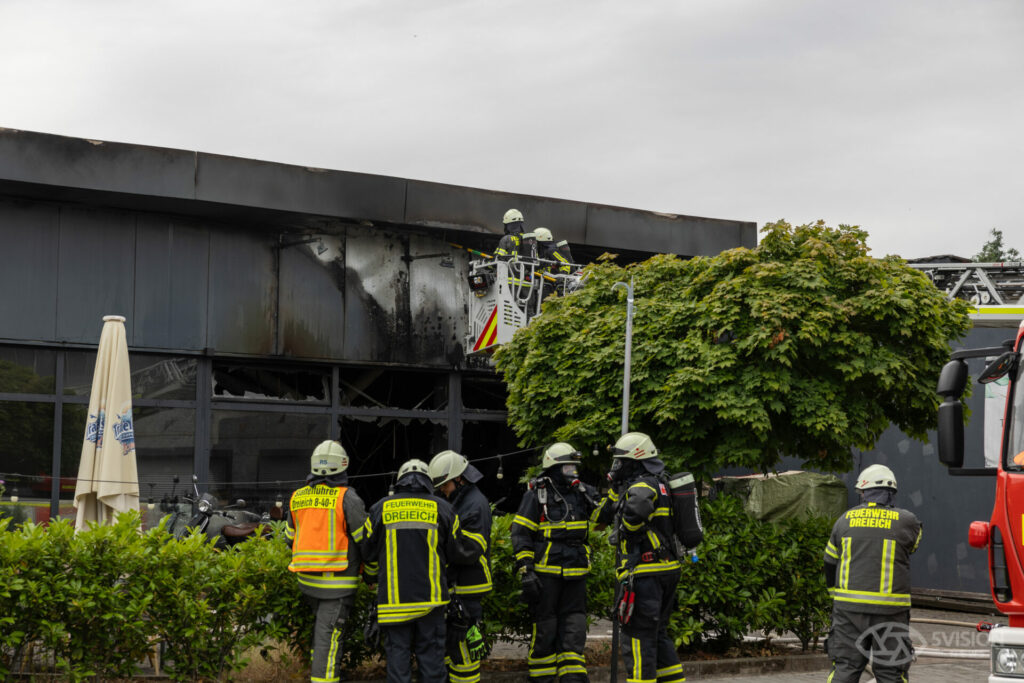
x=994, y=251
x=802, y=346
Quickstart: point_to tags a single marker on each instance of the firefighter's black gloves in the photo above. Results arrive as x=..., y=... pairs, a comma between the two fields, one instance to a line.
x=531, y=587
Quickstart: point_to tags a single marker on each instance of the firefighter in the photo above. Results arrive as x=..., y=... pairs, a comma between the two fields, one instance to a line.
x=867, y=569
x=326, y=517
x=508, y=246
x=549, y=536
x=519, y=248
x=456, y=479
x=407, y=542
x=549, y=250
x=648, y=566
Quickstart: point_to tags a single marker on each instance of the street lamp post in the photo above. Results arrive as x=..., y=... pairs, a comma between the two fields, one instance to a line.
x=614, y=673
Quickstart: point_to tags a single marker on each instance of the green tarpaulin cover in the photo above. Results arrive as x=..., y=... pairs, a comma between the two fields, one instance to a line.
x=788, y=495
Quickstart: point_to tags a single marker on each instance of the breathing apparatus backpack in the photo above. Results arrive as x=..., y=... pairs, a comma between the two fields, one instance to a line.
x=681, y=488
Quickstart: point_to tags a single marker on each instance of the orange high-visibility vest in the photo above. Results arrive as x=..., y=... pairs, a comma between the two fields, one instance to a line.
x=321, y=535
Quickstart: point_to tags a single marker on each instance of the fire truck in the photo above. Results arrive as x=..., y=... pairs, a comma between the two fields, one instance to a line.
x=1002, y=536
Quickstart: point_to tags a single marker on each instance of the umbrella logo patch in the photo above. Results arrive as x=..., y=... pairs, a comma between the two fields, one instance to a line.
x=94, y=428
x=124, y=432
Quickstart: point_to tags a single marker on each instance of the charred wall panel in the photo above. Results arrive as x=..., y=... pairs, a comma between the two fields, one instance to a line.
x=243, y=292
x=437, y=300
x=171, y=283
x=28, y=276
x=96, y=273
x=377, y=315
x=666, y=233
x=312, y=313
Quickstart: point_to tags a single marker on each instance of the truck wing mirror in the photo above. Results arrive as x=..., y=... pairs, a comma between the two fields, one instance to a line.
x=997, y=368
x=952, y=379
x=951, y=432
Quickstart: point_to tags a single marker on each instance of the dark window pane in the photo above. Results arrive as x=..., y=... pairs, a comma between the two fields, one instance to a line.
x=384, y=387
x=79, y=367
x=260, y=456
x=26, y=458
x=166, y=377
x=377, y=447
x=483, y=393
x=26, y=370
x=260, y=383
x=73, y=419
x=164, y=446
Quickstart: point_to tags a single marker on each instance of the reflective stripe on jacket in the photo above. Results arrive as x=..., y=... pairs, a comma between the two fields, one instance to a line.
x=554, y=543
x=871, y=545
x=645, y=534
x=475, y=524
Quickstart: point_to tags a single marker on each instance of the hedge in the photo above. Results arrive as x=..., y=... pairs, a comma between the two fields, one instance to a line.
x=94, y=603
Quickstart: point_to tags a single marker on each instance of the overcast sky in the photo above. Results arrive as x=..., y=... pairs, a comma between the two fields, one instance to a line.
x=904, y=117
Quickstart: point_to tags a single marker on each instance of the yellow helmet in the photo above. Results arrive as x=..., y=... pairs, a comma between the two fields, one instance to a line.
x=634, y=446
x=542, y=234
x=512, y=216
x=328, y=458
x=445, y=466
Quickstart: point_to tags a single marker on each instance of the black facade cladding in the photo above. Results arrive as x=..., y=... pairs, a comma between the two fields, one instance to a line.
x=258, y=275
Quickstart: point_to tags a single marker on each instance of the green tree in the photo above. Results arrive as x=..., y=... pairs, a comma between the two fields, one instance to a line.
x=802, y=346
x=993, y=250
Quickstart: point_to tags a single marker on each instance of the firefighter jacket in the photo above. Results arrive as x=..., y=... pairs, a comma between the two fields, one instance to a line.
x=550, y=529
x=549, y=251
x=642, y=514
x=475, y=524
x=407, y=542
x=324, y=519
x=870, y=547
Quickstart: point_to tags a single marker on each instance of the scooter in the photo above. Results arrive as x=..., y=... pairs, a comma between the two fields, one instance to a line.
x=226, y=524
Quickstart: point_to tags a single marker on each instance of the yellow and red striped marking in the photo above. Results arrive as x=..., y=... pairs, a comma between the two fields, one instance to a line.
x=490, y=332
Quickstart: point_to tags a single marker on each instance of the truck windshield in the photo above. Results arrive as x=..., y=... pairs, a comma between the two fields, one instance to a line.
x=1014, y=457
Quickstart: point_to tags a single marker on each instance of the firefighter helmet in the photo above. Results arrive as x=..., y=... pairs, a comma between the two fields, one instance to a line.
x=542, y=234
x=328, y=458
x=512, y=216
x=445, y=466
x=560, y=453
x=413, y=465
x=634, y=446
x=876, y=476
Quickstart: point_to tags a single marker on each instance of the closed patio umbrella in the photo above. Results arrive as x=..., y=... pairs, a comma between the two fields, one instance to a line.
x=108, y=479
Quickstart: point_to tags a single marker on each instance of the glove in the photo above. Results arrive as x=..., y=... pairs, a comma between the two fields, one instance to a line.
x=531, y=587
x=371, y=632
x=475, y=643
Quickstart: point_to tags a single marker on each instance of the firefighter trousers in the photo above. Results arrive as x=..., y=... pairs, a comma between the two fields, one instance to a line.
x=424, y=637
x=856, y=635
x=559, y=631
x=649, y=653
x=328, y=637
x=462, y=669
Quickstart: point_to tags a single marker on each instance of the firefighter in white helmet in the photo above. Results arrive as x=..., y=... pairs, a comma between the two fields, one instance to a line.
x=326, y=519
x=867, y=569
x=456, y=479
x=549, y=536
x=409, y=540
x=516, y=247
x=648, y=565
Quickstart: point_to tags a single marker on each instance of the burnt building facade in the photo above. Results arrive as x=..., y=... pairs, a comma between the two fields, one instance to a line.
x=268, y=307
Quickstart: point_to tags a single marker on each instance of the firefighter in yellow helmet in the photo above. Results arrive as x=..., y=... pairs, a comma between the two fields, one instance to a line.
x=326, y=518
x=456, y=479
x=408, y=541
x=648, y=566
x=867, y=570
x=549, y=536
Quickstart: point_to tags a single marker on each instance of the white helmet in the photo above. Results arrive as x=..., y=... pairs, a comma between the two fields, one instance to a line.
x=560, y=453
x=445, y=466
x=328, y=458
x=542, y=234
x=413, y=465
x=634, y=446
x=876, y=476
x=512, y=216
